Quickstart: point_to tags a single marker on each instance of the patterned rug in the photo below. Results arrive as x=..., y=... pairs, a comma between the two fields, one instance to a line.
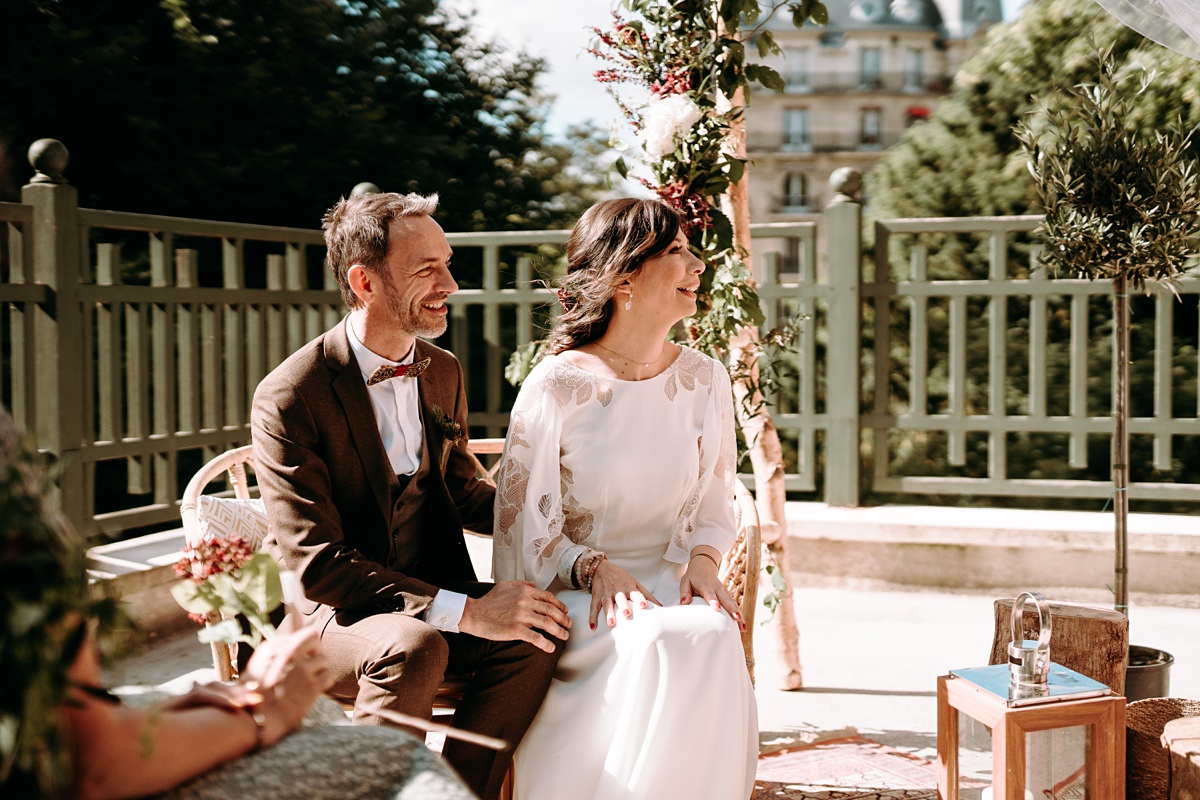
x=850, y=768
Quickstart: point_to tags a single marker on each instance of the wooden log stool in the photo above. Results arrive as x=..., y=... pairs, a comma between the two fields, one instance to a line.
x=1148, y=766
x=1181, y=737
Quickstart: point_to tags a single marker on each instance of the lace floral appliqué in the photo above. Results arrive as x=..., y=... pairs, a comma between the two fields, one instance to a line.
x=577, y=520
x=511, y=484
x=577, y=386
x=689, y=371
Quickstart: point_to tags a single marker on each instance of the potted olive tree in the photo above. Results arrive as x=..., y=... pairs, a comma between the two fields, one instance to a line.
x=1120, y=205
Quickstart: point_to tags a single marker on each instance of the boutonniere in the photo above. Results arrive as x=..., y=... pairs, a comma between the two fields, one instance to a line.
x=450, y=428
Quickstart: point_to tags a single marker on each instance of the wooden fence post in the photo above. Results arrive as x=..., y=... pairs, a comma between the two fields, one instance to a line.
x=59, y=417
x=843, y=235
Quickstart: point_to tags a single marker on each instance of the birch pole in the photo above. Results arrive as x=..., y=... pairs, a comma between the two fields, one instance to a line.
x=762, y=437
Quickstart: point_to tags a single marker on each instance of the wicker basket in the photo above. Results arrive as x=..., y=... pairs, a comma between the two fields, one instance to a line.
x=1147, y=769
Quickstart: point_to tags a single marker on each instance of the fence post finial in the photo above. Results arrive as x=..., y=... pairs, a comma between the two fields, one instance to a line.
x=846, y=183
x=48, y=157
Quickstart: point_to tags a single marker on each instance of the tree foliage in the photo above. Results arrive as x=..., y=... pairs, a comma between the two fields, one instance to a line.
x=267, y=111
x=966, y=159
x=1118, y=202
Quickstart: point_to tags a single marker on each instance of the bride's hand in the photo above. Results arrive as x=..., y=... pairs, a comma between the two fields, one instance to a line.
x=700, y=579
x=614, y=591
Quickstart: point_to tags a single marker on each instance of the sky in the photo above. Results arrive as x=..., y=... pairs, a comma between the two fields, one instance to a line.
x=558, y=31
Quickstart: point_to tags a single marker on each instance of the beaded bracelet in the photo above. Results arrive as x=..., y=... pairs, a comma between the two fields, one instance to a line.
x=589, y=569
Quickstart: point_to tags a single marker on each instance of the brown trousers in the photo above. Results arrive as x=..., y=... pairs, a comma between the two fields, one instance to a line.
x=396, y=662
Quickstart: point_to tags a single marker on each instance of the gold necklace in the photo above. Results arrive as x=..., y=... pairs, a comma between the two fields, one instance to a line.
x=630, y=360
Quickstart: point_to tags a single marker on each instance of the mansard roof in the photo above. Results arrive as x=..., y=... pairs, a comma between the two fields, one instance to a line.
x=949, y=18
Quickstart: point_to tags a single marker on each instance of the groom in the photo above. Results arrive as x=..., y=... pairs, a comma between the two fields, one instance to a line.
x=361, y=452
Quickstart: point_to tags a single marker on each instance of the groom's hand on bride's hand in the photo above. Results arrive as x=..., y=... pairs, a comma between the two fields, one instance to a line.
x=700, y=579
x=516, y=610
x=614, y=591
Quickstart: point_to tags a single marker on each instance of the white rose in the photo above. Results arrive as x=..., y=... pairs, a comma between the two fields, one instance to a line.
x=664, y=119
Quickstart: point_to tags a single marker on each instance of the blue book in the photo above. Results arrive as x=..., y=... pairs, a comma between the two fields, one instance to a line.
x=1061, y=684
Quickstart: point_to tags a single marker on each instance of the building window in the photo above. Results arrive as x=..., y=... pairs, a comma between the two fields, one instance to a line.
x=871, y=135
x=870, y=60
x=914, y=69
x=796, y=66
x=795, y=129
x=795, y=193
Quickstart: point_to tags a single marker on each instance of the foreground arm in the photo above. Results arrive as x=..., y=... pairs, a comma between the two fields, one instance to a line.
x=124, y=752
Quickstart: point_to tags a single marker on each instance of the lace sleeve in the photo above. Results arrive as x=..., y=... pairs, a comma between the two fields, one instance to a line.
x=529, y=536
x=707, y=518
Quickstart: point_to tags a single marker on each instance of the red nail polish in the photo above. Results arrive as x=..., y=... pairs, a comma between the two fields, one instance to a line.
x=593, y=625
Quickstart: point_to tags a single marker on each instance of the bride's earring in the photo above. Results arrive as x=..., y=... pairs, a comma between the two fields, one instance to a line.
x=629, y=302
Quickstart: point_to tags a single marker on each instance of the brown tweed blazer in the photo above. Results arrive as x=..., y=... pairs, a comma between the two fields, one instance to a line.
x=328, y=485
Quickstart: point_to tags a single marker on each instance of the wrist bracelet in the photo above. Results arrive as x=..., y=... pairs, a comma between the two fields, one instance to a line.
x=260, y=726
x=568, y=563
x=255, y=712
x=709, y=556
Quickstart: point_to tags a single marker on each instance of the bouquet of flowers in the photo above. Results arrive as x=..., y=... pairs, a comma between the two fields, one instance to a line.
x=222, y=577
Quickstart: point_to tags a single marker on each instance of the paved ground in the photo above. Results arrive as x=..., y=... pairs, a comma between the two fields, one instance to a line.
x=870, y=659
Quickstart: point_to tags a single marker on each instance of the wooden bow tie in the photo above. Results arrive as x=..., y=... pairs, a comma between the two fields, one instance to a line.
x=411, y=370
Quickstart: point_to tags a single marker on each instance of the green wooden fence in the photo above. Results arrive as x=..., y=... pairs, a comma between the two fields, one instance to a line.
x=130, y=345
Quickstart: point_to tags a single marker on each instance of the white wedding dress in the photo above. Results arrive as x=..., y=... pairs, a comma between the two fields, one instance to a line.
x=659, y=706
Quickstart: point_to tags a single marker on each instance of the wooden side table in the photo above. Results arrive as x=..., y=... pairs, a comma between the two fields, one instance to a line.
x=1104, y=718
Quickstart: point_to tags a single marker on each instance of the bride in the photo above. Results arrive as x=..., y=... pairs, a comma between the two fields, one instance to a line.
x=615, y=492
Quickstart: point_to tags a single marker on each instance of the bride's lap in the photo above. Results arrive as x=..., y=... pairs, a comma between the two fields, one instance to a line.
x=655, y=623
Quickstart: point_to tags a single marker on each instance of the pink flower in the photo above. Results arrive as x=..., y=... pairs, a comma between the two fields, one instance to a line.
x=204, y=559
x=690, y=205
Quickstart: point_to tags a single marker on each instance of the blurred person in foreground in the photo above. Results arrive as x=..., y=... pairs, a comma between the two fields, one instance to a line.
x=616, y=493
x=62, y=734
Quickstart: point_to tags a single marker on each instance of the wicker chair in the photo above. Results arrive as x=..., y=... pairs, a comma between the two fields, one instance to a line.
x=207, y=515
x=740, y=566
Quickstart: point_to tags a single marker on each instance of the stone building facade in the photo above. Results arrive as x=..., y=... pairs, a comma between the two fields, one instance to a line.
x=852, y=87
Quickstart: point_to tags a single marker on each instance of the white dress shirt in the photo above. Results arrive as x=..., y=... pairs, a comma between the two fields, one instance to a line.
x=397, y=406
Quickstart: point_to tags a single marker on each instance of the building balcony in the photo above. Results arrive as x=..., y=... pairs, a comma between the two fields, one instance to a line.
x=779, y=141
x=853, y=81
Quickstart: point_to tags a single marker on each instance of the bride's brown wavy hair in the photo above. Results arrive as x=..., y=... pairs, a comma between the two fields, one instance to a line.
x=611, y=241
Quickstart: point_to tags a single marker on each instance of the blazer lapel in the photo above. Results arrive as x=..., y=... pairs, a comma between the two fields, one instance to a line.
x=360, y=417
x=427, y=390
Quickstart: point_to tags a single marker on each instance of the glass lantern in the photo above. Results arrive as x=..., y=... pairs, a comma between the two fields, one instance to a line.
x=1055, y=749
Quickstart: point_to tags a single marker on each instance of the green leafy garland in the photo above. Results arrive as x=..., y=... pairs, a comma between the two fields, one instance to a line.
x=44, y=602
